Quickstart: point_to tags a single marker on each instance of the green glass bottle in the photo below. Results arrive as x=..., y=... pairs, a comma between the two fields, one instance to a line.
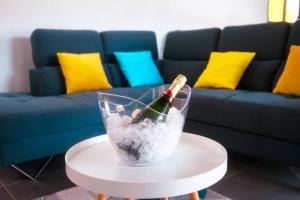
x=161, y=104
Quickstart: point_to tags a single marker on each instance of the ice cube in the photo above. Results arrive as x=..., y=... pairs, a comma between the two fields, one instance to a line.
x=120, y=108
x=145, y=141
x=135, y=112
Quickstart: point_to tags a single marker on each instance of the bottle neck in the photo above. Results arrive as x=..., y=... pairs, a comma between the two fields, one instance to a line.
x=172, y=91
x=175, y=87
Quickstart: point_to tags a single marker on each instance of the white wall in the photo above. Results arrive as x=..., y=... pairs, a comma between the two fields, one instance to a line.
x=19, y=18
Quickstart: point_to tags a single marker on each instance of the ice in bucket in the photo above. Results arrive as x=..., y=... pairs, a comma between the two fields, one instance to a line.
x=146, y=142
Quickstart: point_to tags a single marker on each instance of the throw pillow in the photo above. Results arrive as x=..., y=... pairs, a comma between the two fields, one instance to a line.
x=224, y=69
x=289, y=81
x=139, y=68
x=83, y=72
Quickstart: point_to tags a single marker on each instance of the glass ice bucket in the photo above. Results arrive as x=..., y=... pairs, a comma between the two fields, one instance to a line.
x=147, y=142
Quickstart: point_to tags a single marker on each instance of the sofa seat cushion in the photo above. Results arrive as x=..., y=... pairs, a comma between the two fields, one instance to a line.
x=23, y=116
x=262, y=113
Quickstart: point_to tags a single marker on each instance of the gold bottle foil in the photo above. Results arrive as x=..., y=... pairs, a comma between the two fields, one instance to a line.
x=177, y=84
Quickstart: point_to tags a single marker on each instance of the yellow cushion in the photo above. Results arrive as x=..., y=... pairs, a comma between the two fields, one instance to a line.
x=83, y=72
x=289, y=81
x=224, y=69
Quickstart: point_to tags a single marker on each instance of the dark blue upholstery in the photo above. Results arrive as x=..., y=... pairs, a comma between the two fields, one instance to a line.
x=133, y=92
x=187, y=53
x=47, y=42
x=278, y=73
x=52, y=114
x=267, y=114
x=191, y=69
x=37, y=121
x=294, y=38
x=47, y=81
x=17, y=151
x=248, y=143
x=117, y=76
x=267, y=40
x=244, y=120
x=34, y=127
x=125, y=41
x=259, y=76
x=205, y=104
x=191, y=45
x=47, y=115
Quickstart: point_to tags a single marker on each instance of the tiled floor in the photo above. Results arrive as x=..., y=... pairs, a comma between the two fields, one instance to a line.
x=252, y=179
x=15, y=186
x=247, y=178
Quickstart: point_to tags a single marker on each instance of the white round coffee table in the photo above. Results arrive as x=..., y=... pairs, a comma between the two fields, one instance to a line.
x=198, y=163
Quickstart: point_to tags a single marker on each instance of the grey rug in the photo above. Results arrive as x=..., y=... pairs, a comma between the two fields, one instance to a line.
x=81, y=194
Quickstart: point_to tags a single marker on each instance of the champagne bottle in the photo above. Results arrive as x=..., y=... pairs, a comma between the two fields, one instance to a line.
x=161, y=104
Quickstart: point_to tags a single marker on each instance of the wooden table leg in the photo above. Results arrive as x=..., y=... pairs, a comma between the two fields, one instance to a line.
x=101, y=197
x=164, y=198
x=194, y=196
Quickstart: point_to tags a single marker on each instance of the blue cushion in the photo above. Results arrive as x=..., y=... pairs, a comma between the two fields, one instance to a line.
x=139, y=68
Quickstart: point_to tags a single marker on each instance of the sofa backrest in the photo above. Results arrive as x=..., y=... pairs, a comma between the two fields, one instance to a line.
x=126, y=41
x=268, y=41
x=47, y=42
x=187, y=52
x=294, y=36
x=47, y=79
x=293, y=39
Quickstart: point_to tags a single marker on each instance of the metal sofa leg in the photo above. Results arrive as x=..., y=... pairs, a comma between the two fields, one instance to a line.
x=36, y=176
x=296, y=171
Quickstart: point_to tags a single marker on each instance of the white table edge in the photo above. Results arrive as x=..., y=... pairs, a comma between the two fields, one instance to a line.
x=186, y=185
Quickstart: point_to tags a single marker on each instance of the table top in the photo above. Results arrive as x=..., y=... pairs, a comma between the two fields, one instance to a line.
x=198, y=163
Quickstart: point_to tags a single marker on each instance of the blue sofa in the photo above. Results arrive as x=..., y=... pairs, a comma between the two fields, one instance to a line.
x=249, y=120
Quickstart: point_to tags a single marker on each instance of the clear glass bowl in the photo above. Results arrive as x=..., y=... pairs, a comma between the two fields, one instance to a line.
x=146, y=142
